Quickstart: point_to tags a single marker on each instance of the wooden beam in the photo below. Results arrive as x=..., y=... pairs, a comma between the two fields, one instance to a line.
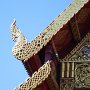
x=75, y=29
x=54, y=48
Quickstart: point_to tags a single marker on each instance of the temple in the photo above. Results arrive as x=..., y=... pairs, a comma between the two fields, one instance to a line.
x=59, y=58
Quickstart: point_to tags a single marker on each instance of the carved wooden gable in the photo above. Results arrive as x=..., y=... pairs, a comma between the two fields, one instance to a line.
x=75, y=67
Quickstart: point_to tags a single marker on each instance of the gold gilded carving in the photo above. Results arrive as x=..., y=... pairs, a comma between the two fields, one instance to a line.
x=37, y=78
x=82, y=75
x=79, y=59
x=66, y=84
x=20, y=40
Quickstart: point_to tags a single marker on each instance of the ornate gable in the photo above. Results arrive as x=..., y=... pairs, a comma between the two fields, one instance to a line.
x=76, y=66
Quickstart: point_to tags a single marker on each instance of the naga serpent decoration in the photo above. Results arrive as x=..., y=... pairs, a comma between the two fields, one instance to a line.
x=21, y=42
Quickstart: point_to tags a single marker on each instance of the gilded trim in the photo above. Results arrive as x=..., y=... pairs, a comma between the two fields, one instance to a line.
x=37, y=78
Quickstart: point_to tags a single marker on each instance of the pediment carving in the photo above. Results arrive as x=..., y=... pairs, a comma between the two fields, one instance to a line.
x=82, y=75
x=81, y=52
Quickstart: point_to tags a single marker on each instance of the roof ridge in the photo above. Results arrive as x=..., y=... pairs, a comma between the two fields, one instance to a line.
x=30, y=49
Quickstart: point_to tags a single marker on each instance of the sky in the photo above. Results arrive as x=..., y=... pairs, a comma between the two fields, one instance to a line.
x=32, y=16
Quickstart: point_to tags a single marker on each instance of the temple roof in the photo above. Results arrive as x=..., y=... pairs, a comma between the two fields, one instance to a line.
x=43, y=72
x=23, y=50
x=69, y=32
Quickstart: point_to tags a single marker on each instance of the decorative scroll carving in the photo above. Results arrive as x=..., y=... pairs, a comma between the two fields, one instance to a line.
x=79, y=58
x=66, y=84
x=37, y=78
x=82, y=75
x=32, y=48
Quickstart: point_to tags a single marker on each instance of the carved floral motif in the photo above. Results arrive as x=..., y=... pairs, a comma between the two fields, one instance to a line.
x=80, y=55
x=82, y=75
x=67, y=84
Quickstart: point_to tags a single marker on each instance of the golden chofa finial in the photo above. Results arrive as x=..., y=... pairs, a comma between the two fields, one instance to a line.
x=20, y=41
x=15, y=31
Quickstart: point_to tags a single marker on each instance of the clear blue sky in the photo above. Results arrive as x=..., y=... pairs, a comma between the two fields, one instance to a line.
x=32, y=17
